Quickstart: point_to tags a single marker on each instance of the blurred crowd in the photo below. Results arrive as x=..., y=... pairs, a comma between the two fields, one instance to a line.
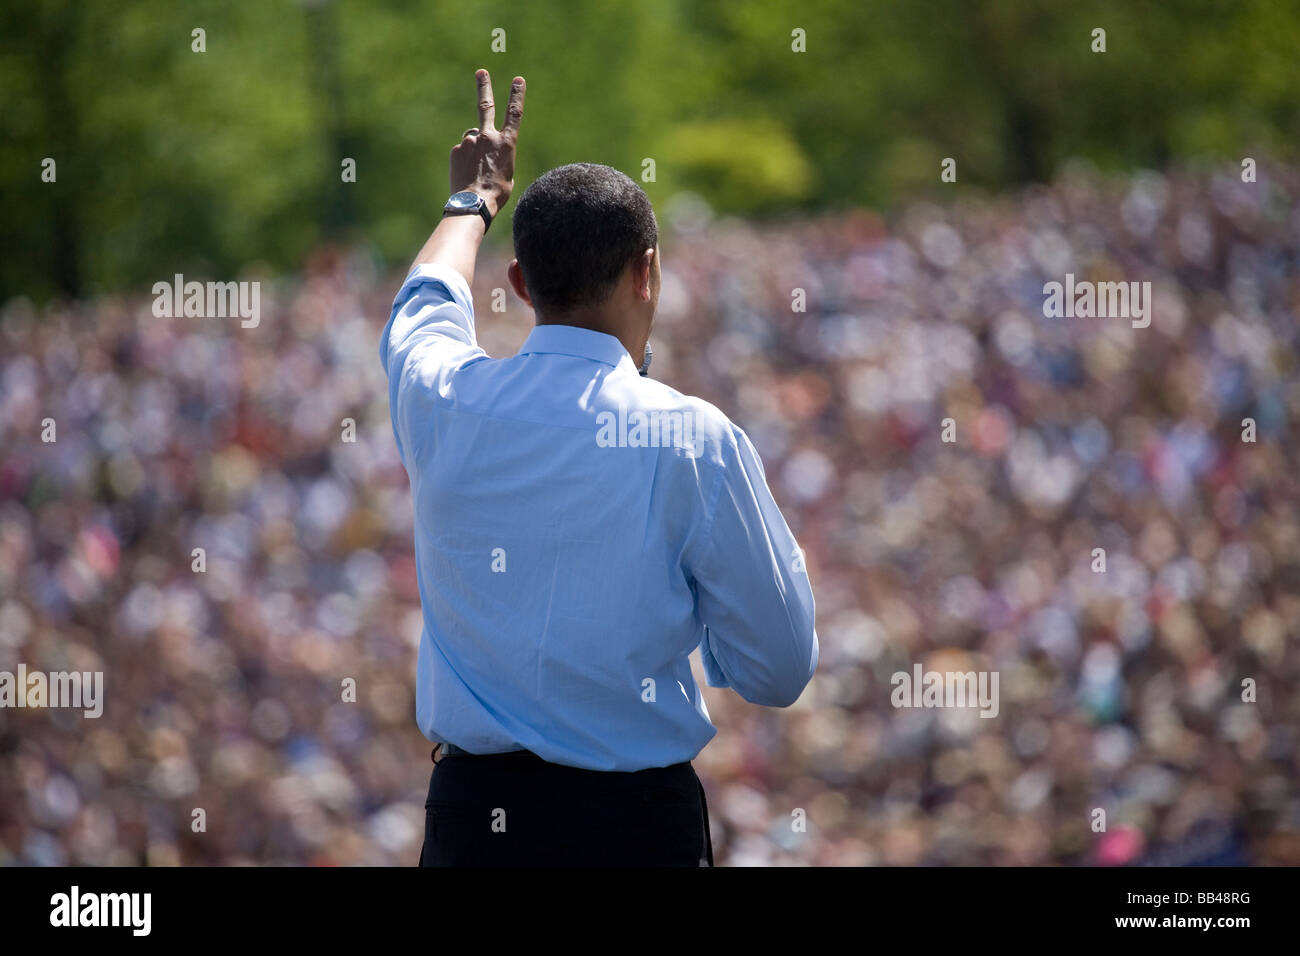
x=1156, y=680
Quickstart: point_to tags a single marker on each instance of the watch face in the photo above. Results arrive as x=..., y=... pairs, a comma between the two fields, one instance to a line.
x=463, y=200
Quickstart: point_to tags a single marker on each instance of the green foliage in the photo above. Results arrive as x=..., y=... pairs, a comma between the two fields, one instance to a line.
x=741, y=165
x=211, y=163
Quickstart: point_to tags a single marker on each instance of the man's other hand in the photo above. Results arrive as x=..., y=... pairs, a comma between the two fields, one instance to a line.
x=484, y=160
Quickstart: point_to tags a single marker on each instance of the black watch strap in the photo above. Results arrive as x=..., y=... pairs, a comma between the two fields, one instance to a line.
x=462, y=208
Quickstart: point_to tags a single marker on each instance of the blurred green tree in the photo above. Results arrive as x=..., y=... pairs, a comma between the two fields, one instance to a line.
x=171, y=160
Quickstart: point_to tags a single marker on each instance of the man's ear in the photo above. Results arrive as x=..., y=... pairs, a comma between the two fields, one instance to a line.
x=516, y=277
x=643, y=269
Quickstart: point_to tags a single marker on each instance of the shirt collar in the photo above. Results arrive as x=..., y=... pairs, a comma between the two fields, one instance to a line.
x=571, y=340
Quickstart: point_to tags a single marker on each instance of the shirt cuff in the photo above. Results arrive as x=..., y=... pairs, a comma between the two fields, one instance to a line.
x=458, y=290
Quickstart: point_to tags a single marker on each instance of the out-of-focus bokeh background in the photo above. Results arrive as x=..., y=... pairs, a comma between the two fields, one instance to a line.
x=773, y=170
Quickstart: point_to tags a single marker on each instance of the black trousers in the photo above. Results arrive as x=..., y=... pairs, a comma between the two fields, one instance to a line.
x=516, y=809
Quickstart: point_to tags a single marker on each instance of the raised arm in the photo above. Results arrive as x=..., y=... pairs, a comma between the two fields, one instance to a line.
x=482, y=162
x=430, y=331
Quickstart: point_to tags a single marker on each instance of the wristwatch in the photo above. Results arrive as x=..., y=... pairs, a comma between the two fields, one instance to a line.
x=467, y=202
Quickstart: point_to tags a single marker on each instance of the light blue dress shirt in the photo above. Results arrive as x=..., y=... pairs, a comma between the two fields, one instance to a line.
x=579, y=531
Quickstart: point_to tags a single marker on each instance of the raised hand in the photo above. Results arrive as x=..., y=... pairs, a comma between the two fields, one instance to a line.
x=484, y=160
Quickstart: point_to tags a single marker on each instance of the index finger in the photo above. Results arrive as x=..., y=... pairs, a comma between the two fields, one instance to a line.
x=514, y=107
x=486, y=107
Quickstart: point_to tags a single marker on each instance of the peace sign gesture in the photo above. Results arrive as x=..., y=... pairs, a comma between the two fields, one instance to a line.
x=484, y=160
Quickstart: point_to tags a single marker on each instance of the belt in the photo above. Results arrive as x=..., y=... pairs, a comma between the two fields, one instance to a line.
x=446, y=750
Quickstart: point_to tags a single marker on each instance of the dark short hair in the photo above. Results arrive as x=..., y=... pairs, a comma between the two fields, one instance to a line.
x=576, y=228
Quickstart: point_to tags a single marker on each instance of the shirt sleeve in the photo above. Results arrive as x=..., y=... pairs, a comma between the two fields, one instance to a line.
x=429, y=335
x=754, y=597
